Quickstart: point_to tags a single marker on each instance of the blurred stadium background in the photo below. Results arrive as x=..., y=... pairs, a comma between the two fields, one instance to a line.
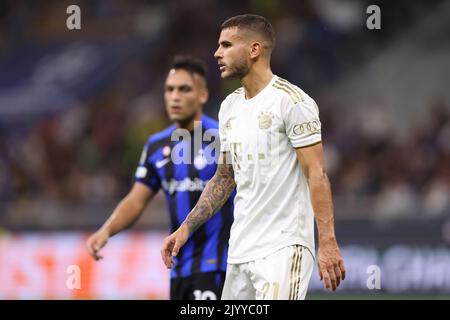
x=77, y=106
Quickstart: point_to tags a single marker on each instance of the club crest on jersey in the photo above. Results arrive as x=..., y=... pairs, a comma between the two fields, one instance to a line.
x=265, y=120
x=166, y=151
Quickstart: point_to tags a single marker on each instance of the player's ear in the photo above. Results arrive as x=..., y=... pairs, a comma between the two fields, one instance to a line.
x=255, y=50
x=202, y=89
x=204, y=95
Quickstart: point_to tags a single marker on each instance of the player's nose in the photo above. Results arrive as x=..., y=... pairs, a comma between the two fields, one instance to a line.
x=218, y=54
x=175, y=95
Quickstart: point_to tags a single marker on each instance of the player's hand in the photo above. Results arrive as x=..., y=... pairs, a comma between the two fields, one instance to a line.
x=96, y=242
x=330, y=263
x=172, y=244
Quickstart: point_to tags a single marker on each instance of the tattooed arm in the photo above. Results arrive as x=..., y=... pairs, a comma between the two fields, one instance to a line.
x=216, y=192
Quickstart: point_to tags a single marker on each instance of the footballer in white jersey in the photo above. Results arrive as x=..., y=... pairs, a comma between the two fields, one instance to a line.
x=271, y=151
x=272, y=205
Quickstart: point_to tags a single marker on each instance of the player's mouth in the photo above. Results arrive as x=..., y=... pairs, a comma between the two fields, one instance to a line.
x=222, y=67
x=175, y=109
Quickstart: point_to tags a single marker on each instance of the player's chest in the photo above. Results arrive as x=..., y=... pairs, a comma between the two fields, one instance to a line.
x=251, y=124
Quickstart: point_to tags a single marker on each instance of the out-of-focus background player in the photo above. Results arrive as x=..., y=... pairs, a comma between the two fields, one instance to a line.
x=200, y=268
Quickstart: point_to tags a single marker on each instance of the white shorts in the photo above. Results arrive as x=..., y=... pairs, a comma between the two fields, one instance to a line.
x=283, y=275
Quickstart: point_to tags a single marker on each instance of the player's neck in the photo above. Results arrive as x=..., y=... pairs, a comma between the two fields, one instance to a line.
x=189, y=124
x=256, y=80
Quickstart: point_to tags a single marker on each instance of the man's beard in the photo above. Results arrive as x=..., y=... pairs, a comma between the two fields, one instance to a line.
x=239, y=70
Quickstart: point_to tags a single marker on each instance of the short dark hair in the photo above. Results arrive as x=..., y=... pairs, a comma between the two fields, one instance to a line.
x=254, y=23
x=190, y=64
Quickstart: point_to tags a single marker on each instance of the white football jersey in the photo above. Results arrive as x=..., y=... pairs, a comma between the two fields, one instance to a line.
x=272, y=207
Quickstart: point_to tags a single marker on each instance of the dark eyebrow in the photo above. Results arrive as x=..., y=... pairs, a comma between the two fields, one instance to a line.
x=224, y=42
x=184, y=87
x=180, y=87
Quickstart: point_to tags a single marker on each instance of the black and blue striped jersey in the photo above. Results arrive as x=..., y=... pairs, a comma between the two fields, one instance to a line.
x=182, y=168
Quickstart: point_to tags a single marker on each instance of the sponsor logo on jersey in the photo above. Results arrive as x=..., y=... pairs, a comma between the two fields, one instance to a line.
x=307, y=128
x=187, y=184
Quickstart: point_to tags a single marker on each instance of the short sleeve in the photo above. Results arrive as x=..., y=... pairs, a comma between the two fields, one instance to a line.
x=223, y=124
x=302, y=122
x=146, y=172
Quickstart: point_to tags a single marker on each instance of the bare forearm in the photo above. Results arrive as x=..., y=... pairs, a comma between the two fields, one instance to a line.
x=124, y=216
x=215, y=194
x=322, y=203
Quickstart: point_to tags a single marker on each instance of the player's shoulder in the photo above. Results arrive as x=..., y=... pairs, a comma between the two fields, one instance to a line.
x=234, y=96
x=209, y=123
x=231, y=100
x=239, y=91
x=286, y=90
x=292, y=95
x=160, y=136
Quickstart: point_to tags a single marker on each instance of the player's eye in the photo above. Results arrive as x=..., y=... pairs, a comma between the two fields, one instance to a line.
x=185, y=88
x=225, y=44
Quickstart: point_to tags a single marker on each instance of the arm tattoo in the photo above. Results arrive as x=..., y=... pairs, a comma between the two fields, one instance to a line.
x=216, y=192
